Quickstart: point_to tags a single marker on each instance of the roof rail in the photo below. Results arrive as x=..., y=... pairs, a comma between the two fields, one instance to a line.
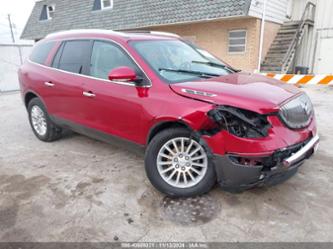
x=73, y=31
x=153, y=33
x=164, y=33
x=103, y=31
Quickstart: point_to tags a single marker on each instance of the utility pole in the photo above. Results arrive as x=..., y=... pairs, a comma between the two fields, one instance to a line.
x=11, y=28
x=13, y=37
x=262, y=33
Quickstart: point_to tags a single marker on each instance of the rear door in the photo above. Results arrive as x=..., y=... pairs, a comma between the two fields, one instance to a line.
x=69, y=66
x=34, y=74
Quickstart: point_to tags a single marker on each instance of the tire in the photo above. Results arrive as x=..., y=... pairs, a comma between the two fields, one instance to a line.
x=51, y=132
x=154, y=164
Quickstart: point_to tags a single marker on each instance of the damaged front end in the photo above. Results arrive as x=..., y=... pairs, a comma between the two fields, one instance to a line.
x=237, y=173
x=241, y=123
x=258, y=159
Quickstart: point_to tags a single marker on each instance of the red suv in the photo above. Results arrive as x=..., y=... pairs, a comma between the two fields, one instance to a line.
x=200, y=120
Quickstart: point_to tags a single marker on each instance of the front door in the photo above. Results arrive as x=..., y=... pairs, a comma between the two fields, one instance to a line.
x=112, y=107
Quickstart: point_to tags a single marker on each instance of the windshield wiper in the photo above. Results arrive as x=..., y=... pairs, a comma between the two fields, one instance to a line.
x=214, y=64
x=197, y=73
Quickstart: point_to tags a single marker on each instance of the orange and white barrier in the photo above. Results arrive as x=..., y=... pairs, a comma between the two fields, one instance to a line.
x=299, y=79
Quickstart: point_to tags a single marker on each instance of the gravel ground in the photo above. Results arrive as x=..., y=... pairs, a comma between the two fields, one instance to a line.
x=79, y=189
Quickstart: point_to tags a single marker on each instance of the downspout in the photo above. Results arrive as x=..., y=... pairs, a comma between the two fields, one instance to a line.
x=263, y=20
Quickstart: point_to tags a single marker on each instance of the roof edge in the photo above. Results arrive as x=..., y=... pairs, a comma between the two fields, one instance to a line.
x=22, y=36
x=189, y=22
x=27, y=34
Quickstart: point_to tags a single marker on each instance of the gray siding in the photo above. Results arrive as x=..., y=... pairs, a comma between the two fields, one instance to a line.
x=276, y=10
x=324, y=19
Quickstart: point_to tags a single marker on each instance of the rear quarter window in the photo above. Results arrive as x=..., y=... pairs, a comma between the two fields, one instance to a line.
x=41, y=52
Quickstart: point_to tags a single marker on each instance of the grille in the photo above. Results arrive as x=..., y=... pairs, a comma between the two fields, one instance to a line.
x=297, y=113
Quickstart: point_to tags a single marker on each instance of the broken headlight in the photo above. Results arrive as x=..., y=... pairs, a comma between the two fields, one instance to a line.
x=239, y=122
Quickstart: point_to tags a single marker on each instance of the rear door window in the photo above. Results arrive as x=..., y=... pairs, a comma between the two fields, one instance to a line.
x=41, y=52
x=72, y=56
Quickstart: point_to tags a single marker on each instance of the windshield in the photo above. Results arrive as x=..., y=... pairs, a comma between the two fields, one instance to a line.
x=176, y=61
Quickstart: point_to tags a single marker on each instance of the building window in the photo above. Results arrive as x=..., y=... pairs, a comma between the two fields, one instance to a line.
x=106, y=4
x=50, y=11
x=237, y=41
x=47, y=12
x=103, y=4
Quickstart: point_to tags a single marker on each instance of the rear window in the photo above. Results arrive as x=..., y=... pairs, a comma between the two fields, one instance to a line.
x=41, y=52
x=73, y=56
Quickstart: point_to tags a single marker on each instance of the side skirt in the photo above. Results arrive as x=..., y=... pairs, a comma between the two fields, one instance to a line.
x=100, y=136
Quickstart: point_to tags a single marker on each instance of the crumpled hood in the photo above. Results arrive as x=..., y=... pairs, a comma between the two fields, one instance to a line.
x=247, y=91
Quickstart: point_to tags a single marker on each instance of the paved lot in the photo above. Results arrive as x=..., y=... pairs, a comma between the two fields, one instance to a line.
x=78, y=189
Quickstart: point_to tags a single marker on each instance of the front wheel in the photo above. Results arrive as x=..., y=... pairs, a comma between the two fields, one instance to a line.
x=178, y=164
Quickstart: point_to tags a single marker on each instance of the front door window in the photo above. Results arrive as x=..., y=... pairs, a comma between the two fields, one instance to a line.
x=106, y=57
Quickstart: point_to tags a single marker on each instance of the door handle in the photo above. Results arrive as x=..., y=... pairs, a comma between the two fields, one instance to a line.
x=89, y=94
x=49, y=84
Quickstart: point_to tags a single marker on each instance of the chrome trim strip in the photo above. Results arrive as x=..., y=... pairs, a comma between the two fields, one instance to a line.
x=91, y=77
x=299, y=154
x=94, y=78
x=195, y=92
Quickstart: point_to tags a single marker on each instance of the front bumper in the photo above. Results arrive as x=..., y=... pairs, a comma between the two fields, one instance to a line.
x=233, y=176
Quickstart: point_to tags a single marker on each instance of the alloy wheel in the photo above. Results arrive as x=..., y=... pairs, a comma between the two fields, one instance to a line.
x=182, y=162
x=38, y=120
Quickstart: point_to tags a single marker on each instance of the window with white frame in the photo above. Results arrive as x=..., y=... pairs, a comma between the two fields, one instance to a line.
x=50, y=11
x=102, y=4
x=237, y=41
x=47, y=12
x=106, y=4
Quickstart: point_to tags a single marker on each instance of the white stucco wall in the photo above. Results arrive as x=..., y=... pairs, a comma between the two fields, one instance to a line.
x=323, y=38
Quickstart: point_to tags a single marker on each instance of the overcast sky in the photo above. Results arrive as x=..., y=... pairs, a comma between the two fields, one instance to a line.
x=20, y=11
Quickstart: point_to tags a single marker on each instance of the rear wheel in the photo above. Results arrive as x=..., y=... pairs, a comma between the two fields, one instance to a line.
x=179, y=165
x=40, y=122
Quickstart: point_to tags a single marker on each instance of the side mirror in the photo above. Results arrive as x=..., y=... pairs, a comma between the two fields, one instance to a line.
x=125, y=74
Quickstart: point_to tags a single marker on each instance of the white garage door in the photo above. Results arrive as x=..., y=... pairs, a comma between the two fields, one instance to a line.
x=325, y=56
